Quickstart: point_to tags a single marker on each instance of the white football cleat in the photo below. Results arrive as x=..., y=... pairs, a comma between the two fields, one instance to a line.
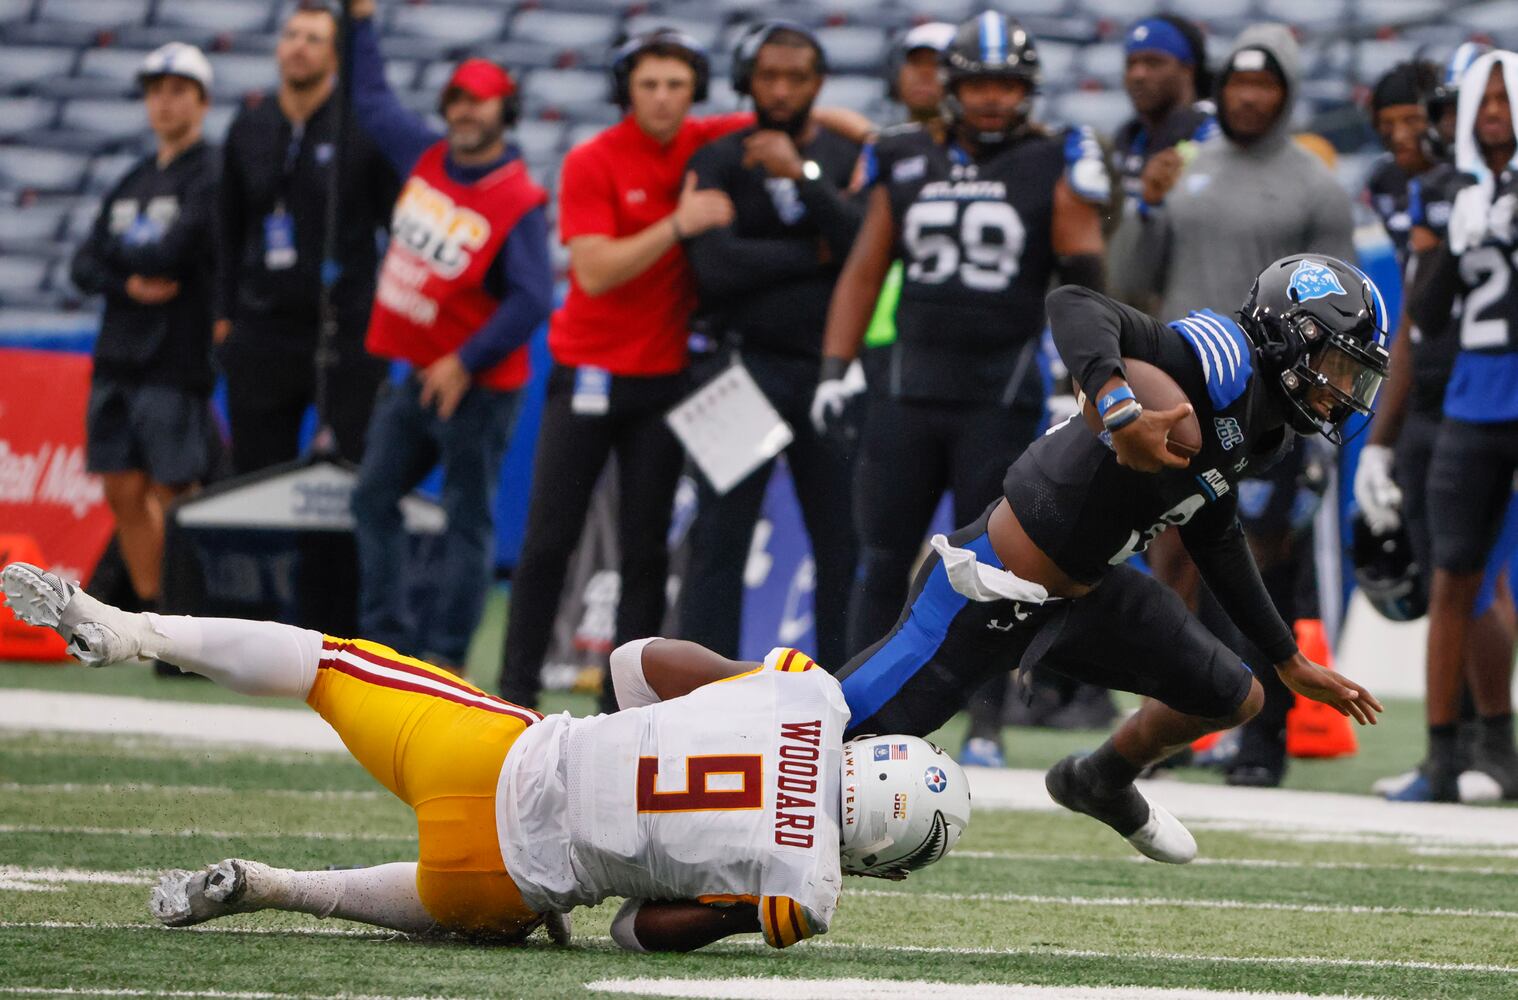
x=97, y=633
x=1164, y=838
x=184, y=898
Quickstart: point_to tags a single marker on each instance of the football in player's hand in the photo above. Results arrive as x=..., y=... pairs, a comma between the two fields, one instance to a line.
x=1155, y=390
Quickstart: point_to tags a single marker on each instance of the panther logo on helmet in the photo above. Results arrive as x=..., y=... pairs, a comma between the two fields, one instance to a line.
x=1312, y=280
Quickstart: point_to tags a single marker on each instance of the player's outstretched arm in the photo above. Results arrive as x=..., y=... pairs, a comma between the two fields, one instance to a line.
x=647, y=671
x=680, y=925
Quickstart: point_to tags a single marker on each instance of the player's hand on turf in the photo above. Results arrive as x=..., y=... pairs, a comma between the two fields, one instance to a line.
x=445, y=382
x=841, y=381
x=151, y=291
x=699, y=211
x=1336, y=691
x=1160, y=174
x=1142, y=444
x=1376, y=491
x=774, y=151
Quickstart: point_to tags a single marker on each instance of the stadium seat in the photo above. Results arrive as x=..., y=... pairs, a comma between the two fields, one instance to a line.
x=861, y=93
x=80, y=219
x=851, y=49
x=1121, y=11
x=454, y=25
x=105, y=171
x=114, y=119
x=217, y=16
x=563, y=89
x=104, y=73
x=1388, y=12
x=538, y=140
x=21, y=114
x=14, y=11
x=1313, y=15
x=238, y=73
x=1498, y=17
x=952, y=11
x=24, y=168
x=1212, y=12
x=22, y=277
x=563, y=31
x=24, y=65
x=1375, y=56
x=1056, y=61
x=1103, y=110
x=722, y=98
x=1104, y=63
x=218, y=120
x=95, y=15
x=707, y=32
x=36, y=227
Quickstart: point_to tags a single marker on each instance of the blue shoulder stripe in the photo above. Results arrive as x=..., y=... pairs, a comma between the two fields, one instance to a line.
x=1223, y=351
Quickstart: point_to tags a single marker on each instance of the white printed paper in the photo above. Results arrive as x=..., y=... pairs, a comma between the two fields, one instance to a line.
x=729, y=428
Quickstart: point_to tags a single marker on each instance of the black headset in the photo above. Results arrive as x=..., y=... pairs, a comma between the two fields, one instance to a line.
x=625, y=56
x=751, y=41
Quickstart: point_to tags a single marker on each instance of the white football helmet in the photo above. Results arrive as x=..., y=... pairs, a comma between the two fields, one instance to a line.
x=905, y=804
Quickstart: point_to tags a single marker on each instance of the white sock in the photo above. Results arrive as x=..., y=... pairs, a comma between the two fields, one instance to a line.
x=384, y=895
x=255, y=658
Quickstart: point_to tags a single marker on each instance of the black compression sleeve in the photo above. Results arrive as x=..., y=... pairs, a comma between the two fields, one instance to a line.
x=1216, y=543
x=1085, y=269
x=1094, y=333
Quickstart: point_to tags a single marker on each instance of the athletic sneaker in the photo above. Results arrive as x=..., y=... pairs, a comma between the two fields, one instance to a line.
x=97, y=633
x=982, y=751
x=1161, y=836
x=183, y=898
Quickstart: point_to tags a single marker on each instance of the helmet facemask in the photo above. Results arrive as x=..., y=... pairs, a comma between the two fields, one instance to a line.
x=1332, y=378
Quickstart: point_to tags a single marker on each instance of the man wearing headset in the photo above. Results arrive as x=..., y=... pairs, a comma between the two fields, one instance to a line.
x=465, y=283
x=765, y=281
x=626, y=205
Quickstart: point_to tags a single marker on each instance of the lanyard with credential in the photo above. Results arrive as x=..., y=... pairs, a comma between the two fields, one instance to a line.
x=279, y=227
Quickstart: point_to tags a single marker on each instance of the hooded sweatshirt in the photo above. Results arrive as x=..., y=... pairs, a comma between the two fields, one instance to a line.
x=1236, y=208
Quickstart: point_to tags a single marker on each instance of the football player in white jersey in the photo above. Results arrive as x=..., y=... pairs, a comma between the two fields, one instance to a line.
x=720, y=800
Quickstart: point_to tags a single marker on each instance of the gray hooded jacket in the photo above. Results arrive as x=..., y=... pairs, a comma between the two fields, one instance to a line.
x=1237, y=208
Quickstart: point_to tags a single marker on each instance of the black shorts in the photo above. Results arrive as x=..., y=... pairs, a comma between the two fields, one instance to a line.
x=162, y=430
x=1470, y=484
x=1131, y=633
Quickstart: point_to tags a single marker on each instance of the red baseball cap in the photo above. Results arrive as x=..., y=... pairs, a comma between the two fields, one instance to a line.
x=480, y=79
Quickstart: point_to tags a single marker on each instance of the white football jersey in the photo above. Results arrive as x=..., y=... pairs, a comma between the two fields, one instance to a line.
x=728, y=793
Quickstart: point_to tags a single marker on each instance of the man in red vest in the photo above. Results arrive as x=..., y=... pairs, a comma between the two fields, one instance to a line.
x=466, y=281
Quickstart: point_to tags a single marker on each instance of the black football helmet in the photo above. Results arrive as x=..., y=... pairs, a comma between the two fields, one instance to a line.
x=1320, y=326
x=1387, y=573
x=990, y=44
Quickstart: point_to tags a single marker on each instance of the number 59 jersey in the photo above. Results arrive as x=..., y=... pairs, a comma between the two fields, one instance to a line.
x=975, y=235
x=729, y=793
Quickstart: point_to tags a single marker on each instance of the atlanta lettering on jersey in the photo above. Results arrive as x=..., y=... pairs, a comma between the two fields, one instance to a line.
x=796, y=800
x=963, y=190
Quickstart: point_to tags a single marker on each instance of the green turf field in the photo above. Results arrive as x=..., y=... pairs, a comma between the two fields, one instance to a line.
x=1028, y=898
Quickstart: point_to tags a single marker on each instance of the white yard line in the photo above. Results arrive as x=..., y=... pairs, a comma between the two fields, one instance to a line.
x=1252, y=810
x=144, y=787
x=196, y=722
x=17, y=879
x=1198, y=904
x=83, y=991
x=148, y=831
x=776, y=988
x=1267, y=863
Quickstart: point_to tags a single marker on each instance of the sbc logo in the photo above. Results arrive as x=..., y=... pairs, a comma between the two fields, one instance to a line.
x=430, y=225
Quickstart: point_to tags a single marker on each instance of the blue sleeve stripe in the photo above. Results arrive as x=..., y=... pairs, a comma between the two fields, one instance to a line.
x=1219, y=345
x=1224, y=334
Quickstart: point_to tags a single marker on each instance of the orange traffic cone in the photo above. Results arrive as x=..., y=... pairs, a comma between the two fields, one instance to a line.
x=19, y=641
x=1312, y=728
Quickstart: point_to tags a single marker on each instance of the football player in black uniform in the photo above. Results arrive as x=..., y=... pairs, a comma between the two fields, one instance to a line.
x=1041, y=577
x=983, y=208
x=1412, y=190
x=1475, y=453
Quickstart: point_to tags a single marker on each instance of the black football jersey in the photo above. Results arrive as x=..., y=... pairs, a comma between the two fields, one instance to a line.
x=1088, y=513
x=974, y=236
x=1402, y=202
